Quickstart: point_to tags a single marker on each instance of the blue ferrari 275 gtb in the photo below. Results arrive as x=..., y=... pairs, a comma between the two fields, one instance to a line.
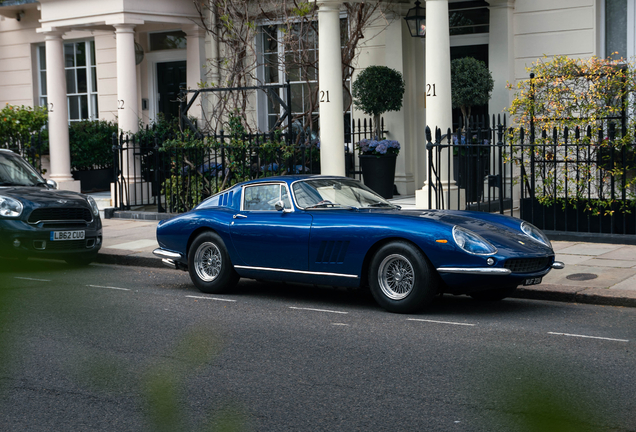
x=335, y=231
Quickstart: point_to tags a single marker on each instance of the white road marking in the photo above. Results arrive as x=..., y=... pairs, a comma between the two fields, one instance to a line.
x=211, y=298
x=318, y=310
x=339, y=324
x=442, y=322
x=33, y=279
x=589, y=337
x=109, y=287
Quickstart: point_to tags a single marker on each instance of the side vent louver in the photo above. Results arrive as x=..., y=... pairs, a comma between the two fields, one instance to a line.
x=332, y=252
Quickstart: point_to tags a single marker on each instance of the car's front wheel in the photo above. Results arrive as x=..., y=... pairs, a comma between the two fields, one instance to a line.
x=209, y=264
x=494, y=294
x=401, y=278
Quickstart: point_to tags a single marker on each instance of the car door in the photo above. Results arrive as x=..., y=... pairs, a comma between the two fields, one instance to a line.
x=268, y=238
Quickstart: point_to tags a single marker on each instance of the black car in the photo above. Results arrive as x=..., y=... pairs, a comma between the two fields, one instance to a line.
x=37, y=220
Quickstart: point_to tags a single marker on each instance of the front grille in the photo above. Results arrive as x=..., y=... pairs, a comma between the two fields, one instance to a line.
x=60, y=214
x=527, y=265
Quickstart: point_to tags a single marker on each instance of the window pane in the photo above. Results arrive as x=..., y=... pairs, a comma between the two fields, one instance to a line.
x=70, y=81
x=42, y=101
x=43, y=83
x=82, y=85
x=297, y=98
x=94, y=79
x=69, y=55
x=271, y=68
x=42, y=54
x=73, y=107
x=167, y=40
x=84, y=107
x=616, y=28
x=270, y=43
x=468, y=17
x=291, y=67
x=92, y=48
x=80, y=53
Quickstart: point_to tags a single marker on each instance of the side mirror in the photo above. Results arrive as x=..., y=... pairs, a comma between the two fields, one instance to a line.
x=280, y=206
x=51, y=183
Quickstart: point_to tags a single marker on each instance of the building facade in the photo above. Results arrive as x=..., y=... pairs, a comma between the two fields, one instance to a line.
x=125, y=60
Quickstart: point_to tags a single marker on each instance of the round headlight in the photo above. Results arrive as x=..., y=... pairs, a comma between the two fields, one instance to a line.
x=93, y=205
x=535, y=233
x=472, y=243
x=10, y=207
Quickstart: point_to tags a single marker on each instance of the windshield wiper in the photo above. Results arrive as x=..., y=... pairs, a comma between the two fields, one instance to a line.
x=380, y=204
x=330, y=205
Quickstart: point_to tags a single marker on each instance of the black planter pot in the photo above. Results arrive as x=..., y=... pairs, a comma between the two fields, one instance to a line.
x=378, y=173
x=469, y=170
x=96, y=180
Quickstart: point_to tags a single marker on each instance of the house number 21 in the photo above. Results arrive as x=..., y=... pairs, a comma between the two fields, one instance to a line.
x=324, y=96
x=430, y=90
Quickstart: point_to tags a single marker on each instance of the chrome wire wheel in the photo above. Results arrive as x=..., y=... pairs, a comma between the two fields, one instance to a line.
x=208, y=262
x=396, y=277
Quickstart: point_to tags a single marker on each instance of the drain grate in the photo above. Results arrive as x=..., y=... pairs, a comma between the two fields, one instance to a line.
x=582, y=276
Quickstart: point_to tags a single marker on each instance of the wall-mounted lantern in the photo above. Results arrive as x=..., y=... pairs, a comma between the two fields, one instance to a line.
x=416, y=20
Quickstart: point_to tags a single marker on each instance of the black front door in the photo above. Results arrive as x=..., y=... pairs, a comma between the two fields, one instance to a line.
x=171, y=77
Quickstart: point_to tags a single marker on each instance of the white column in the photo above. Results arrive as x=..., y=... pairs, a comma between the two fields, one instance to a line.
x=58, y=112
x=501, y=52
x=127, y=107
x=438, y=94
x=195, y=60
x=501, y=61
x=332, y=160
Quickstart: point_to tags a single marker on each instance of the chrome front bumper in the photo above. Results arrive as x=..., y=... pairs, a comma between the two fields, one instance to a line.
x=558, y=265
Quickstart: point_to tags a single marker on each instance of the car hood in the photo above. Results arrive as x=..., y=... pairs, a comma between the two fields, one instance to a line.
x=502, y=231
x=43, y=197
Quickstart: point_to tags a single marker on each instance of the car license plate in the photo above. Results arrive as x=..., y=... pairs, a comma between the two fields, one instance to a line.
x=532, y=281
x=67, y=235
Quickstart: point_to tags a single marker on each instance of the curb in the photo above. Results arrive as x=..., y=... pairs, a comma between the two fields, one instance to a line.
x=129, y=260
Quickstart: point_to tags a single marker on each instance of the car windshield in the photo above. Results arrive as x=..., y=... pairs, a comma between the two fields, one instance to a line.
x=336, y=193
x=15, y=171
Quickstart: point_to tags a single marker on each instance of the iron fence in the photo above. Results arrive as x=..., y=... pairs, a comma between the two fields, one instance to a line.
x=573, y=181
x=173, y=173
x=29, y=147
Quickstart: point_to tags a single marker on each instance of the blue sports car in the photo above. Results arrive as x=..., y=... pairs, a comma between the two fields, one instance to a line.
x=335, y=231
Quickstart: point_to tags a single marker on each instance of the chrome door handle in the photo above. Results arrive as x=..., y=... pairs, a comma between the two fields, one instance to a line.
x=239, y=216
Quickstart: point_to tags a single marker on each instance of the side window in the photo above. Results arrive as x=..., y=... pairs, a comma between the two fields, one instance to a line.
x=284, y=196
x=261, y=197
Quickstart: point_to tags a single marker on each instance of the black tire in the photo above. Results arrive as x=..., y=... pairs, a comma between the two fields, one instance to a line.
x=209, y=265
x=401, y=278
x=80, y=260
x=493, y=294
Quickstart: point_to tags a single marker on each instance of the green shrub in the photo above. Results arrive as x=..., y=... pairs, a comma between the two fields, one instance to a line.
x=376, y=90
x=19, y=123
x=91, y=144
x=471, y=84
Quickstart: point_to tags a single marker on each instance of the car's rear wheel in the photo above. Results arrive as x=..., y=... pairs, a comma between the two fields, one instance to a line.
x=493, y=294
x=209, y=264
x=401, y=278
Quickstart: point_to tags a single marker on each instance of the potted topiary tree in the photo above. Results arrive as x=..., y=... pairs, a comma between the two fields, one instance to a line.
x=378, y=89
x=471, y=85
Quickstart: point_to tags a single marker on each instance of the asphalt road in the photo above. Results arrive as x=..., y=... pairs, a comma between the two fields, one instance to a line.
x=130, y=349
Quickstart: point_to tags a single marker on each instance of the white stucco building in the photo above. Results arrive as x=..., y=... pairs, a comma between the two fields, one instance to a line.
x=124, y=60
